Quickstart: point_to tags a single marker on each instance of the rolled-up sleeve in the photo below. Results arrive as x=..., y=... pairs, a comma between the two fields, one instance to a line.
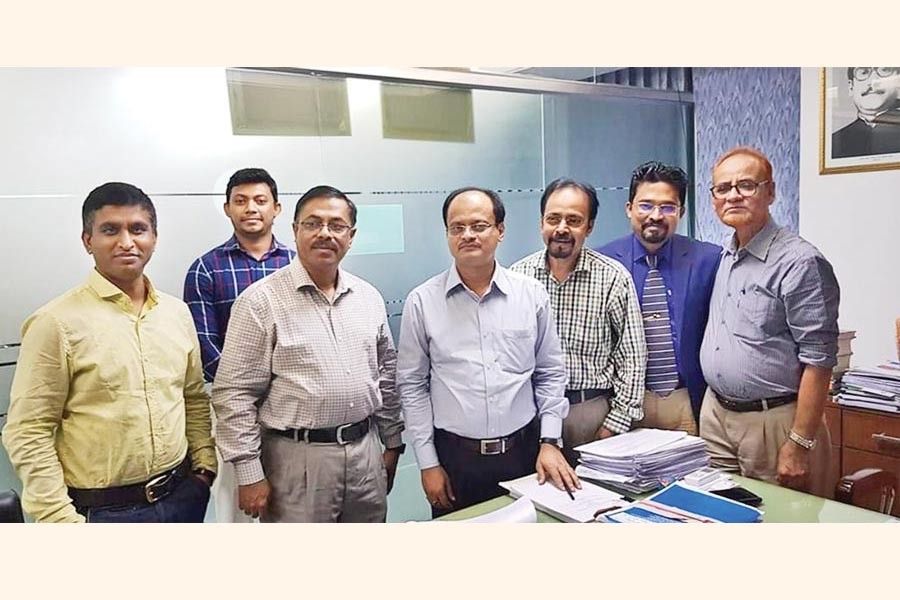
x=811, y=297
x=549, y=378
x=413, y=376
x=243, y=377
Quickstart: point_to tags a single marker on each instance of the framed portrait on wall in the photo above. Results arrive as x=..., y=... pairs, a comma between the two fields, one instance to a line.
x=860, y=119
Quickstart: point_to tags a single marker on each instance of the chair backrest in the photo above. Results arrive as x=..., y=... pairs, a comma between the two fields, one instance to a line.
x=874, y=489
x=10, y=507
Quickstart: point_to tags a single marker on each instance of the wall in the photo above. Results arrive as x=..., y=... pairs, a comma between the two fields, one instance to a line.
x=758, y=107
x=854, y=219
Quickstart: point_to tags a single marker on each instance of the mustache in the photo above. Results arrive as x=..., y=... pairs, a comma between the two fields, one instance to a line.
x=562, y=238
x=325, y=244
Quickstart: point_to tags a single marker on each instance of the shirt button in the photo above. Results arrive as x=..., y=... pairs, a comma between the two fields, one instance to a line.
x=717, y=348
x=348, y=370
x=351, y=405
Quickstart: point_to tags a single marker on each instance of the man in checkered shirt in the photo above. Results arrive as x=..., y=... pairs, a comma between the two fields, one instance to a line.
x=305, y=393
x=597, y=314
x=219, y=276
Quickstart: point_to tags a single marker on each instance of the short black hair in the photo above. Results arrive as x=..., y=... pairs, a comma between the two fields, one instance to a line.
x=499, y=209
x=114, y=193
x=325, y=191
x=564, y=182
x=657, y=172
x=251, y=175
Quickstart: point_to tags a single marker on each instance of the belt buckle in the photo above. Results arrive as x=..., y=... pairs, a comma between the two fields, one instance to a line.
x=500, y=447
x=339, y=434
x=150, y=487
x=764, y=403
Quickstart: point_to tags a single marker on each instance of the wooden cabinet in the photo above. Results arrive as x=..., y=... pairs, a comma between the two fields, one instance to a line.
x=863, y=438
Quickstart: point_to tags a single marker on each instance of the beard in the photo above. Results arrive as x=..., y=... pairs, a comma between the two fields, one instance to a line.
x=657, y=235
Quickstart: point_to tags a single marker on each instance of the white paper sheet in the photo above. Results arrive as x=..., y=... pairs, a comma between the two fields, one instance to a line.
x=588, y=500
x=520, y=511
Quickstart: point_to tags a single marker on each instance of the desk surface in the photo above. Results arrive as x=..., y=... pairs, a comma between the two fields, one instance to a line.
x=780, y=505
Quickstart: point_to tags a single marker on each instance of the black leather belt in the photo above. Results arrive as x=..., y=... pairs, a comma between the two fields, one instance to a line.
x=754, y=405
x=492, y=446
x=151, y=491
x=342, y=434
x=579, y=396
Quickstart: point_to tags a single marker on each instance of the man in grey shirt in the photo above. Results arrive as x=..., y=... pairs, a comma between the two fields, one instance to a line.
x=771, y=339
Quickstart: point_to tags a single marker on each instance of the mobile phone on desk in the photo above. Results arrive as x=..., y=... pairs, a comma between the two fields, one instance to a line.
x=739, y=494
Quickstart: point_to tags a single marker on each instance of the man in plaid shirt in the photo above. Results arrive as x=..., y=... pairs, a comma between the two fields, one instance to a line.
x=597, y=316
x=219, y=276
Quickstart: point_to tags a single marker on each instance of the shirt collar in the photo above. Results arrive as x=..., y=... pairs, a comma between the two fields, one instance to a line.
x=580, y=264
x=499, y=280
x=108, y=290
x=301, y=278
x=232, y=244
x=759, y=244
x=639, y=252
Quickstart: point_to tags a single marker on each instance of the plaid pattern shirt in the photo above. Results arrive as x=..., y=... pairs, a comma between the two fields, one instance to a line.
x=212, y=284
x=294, y=359
x=599, y=321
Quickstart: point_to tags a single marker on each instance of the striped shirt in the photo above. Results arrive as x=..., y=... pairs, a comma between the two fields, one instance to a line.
x=774, y=309
x=294, y=359
x=212, y=284
x=599, y=321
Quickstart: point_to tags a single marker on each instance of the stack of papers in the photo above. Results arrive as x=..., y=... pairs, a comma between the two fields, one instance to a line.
x=588, y=500
x=845, y=351
x=520, y=511
x=876, y=388
x=680, y=503
x=642, y=460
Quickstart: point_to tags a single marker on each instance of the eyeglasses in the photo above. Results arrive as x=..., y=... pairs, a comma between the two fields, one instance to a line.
x=863, y=73
x=571, y=221
x=477, y=228
x=745, y=187
x=647, y=208
x=315, y=226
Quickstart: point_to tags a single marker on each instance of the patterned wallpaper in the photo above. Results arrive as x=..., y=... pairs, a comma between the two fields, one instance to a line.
x=758, y=107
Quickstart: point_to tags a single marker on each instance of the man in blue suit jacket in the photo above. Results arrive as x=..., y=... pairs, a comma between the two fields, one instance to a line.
x=674, y=278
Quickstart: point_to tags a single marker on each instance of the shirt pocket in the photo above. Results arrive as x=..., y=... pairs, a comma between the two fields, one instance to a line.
x=762, y=314
x=515, y=350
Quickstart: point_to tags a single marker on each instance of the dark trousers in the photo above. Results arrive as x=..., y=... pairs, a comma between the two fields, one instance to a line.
x=185, y=504
x=474, y=477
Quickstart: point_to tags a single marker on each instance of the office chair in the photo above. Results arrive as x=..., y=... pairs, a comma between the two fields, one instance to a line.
x=868, y=488
x=10, y=507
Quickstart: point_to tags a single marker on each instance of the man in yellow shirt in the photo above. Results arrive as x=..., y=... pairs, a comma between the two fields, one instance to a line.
x=108, y=420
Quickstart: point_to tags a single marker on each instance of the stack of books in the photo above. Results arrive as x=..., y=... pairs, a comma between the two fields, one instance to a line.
x=875, y=388
x=641, y=460
x=845, y=351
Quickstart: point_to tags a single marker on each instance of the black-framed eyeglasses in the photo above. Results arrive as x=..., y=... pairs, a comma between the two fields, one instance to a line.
x=315, y=226
x=477, y=228
x=863, y=73
x=745, y=187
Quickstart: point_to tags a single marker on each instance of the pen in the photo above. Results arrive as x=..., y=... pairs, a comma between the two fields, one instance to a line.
x=569, y=492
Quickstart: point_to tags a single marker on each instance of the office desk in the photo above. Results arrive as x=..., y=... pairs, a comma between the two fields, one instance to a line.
x=780, y=505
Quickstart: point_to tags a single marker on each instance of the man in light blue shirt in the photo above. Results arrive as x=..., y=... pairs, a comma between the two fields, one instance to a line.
x=480, y=371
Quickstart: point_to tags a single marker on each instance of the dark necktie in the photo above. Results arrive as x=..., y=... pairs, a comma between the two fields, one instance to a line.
x=662, y=370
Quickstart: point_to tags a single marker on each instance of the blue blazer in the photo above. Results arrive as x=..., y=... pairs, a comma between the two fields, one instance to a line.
x=689, y=271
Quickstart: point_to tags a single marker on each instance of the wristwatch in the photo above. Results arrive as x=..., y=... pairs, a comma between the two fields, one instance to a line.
x=555, y=441
x=801, y=441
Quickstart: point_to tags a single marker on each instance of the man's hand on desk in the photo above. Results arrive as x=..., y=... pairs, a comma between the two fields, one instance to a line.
x=604, y=433
x=437, y=488
x=552, y=466
x=254, y=498
x=793, y=466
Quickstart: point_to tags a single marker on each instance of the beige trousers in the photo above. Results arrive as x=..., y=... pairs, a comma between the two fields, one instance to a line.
x=669, y=412
x=325, y=483
x=748, y=442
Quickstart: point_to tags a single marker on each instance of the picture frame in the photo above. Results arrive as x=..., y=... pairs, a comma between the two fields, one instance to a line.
x=859, y=130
